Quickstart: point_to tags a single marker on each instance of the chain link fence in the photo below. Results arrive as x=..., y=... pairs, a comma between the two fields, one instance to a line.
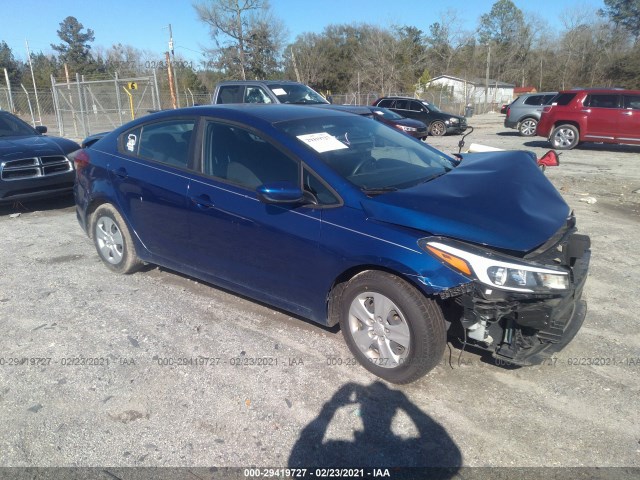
x=77, y=109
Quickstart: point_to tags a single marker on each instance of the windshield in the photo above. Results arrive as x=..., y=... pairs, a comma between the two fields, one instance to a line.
x=369, y=154
x=386, y=113
x=11, y=126
x=296, y=93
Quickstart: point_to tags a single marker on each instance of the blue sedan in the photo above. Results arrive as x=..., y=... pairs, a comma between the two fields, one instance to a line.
x=341, y=219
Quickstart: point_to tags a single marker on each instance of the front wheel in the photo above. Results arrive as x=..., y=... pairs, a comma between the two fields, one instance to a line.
x=438, y=129
x=527, y=127
x=113, y=241
x=564, y=137
x=393, y=330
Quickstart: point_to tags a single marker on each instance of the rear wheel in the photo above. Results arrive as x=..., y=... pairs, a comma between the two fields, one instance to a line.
x=113, y=241
x=527, y=127
x=392, y=329
x=564, y=137
x=437, y=129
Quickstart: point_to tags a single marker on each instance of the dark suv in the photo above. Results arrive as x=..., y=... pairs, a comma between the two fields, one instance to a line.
x=591, y=115
x=524, y=112
x=437, y=121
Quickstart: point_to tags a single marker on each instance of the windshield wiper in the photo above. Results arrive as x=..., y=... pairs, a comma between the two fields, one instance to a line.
x=432, y=177
x=378, y=190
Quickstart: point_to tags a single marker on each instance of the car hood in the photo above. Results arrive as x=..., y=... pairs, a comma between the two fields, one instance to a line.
x=12, y=148
x=498, y=199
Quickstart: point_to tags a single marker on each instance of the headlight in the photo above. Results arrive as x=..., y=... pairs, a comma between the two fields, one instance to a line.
x=407, y=129
x=496, y=270
x=454, y=120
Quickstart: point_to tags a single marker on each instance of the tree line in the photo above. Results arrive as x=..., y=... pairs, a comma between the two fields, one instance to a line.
x=592, y=48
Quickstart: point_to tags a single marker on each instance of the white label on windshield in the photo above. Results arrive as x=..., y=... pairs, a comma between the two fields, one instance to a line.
x=322, y=142
x=279, y=91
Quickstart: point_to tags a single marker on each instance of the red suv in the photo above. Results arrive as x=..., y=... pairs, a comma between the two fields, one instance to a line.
x=591, y=115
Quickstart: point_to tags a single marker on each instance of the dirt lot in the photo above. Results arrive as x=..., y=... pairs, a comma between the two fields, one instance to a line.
x=104, y=381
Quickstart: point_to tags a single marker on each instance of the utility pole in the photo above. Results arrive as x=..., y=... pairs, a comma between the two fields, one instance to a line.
x=172, y=87
x=174, y=98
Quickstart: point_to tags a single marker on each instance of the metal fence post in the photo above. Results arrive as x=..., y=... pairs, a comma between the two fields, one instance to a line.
x=118, y=99
x=82, y=116
x=56, y=106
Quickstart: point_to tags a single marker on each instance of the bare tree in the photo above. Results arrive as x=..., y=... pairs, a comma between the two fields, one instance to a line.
x=230, y=22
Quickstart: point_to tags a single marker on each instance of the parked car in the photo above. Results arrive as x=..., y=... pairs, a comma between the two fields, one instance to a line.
x=341, y=219
x=524, y=112
x=591, y=115
x=412, y=127
x=32, y=165
x=278, y=91
x=438, y=122
x=266, y=91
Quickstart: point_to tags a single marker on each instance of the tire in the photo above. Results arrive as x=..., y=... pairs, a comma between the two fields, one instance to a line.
x=408, y=337
x=527, y=127
x=113, y=241
x=564, y=137
x=437, y=128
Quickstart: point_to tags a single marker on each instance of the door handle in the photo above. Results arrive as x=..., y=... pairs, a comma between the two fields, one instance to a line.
x=202, y=201
x=627, y=113
x=121, y=172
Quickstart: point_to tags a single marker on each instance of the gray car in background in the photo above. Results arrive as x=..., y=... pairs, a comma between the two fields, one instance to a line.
x=524, y=112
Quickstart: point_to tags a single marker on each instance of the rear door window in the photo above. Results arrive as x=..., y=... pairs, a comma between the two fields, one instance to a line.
x=230, y=94
x=602, y=100
x=534, y=100
x=563, y=99
x=165, y=142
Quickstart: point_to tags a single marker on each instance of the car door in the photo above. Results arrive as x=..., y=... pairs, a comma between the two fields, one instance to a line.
x=602, y=116
x=151, y=179
x=269, y=251
x=629, y=129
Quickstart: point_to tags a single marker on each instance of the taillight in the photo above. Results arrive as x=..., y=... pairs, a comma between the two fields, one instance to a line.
x=81, y=160
x=508, y=110
x=546, y=109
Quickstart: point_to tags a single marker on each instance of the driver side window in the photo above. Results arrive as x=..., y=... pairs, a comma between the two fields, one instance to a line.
x=240, y=156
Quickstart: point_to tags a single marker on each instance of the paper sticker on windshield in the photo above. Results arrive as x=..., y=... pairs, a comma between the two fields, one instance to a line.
x=131, y=142
x=322, y=142
x=279, y=91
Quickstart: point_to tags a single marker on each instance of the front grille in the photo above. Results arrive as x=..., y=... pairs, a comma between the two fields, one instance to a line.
x=34, y=167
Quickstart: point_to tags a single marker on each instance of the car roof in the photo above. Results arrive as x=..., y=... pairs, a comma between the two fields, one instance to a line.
x=270, y=113
x=264, y=82
x=602, y=90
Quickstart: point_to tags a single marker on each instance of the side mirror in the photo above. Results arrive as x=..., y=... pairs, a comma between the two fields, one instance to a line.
x=41, y=129
x=280, y=193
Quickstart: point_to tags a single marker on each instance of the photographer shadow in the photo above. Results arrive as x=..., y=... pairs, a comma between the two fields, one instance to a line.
x=376, y=446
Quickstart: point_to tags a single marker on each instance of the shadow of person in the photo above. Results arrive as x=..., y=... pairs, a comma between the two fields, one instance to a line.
x=376, y=445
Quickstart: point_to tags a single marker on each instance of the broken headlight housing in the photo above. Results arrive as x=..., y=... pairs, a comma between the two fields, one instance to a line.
x=497, y=270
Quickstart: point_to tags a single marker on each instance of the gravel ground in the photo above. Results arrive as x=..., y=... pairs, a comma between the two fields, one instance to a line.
x=102, y=383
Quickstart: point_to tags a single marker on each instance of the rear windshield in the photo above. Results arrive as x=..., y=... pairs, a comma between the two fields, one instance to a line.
x=563, y=99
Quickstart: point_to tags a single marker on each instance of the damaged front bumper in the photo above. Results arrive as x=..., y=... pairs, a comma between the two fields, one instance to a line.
x=526, y=328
